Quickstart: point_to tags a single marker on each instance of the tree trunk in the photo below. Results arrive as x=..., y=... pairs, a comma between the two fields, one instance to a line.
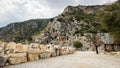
x=113, y=49
x=96, y=48
x=105, y=47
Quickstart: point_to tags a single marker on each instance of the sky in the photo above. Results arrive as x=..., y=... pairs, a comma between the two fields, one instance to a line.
x=21, y=10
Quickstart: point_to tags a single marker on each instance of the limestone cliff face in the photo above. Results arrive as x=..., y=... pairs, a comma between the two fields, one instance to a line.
x=68, y=26
x=71, y=25
x=74, y=24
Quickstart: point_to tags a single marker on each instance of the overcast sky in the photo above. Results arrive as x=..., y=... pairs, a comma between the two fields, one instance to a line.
x=20, y=10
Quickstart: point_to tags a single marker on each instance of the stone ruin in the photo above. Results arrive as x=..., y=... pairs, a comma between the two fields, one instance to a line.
x=15, y=53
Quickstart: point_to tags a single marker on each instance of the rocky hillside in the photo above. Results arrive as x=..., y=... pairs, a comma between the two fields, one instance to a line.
x=73, y=23
x=21, y=31
x=62, y=29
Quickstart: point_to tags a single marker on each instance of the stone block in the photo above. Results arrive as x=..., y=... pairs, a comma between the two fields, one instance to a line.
x=32, y=57
x=3, y=60
x=19, y=48
x=17, y=60
x=42, y=55
x=34, y=51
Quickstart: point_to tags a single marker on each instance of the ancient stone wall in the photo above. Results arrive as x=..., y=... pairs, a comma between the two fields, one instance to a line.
x=16, y=53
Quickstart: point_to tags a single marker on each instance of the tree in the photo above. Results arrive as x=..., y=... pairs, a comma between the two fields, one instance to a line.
x=110, y=18
x=95, y=39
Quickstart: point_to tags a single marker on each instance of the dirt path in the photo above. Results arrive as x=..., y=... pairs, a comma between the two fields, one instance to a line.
x=78, y=60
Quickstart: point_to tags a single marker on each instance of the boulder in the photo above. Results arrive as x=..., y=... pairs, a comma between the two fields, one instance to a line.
x=32, y=57
x=3, y=60
x=42, y=48
x=6, y=64
x=34, y=45
x=17, y=60
x=33, y=51
x=9, y=51
x=53, y=54
x=18, y=55
x=3, y=44
x=72, y=50
x=48, y=54
x=57, y=49
x=62, y=51
x=19, y=48
x=57, y=46
x=57, y=52
x=33, y=54
x=1, y=51
x=66, y=52
x=25, y=48
x=42, y=55
x=11, y=45
x=51, y=49
x=10, y=48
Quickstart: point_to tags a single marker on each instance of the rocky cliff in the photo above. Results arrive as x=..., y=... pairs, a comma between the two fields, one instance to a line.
x=73, y=22
x=71, y=25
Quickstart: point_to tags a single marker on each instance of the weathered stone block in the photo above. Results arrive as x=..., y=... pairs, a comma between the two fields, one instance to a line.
x=17, y=60
x=42, y=55
x=9, y=51
x=52, y=51
x=11, y=45
x=3, y=61
x=42, y=48
x=34, y=51
x=34, y=45
x=57, y=52
x=19, y=48
x=25, y=48
x=48, y=55
x=18, y=55
x=32, y=57
x=10, y=48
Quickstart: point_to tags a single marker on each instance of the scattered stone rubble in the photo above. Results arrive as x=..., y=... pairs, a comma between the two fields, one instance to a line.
x=16, y=53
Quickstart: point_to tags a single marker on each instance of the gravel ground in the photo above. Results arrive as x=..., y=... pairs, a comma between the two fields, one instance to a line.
x=79, y=59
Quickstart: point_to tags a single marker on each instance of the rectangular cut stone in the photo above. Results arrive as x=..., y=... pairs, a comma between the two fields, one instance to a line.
x=32, y=57
x=17, y=60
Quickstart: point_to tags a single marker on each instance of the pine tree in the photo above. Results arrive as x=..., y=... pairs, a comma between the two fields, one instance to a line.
x=110, y=18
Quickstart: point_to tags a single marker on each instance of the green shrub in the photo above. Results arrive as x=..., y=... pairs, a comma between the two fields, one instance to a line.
x=77, y=44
